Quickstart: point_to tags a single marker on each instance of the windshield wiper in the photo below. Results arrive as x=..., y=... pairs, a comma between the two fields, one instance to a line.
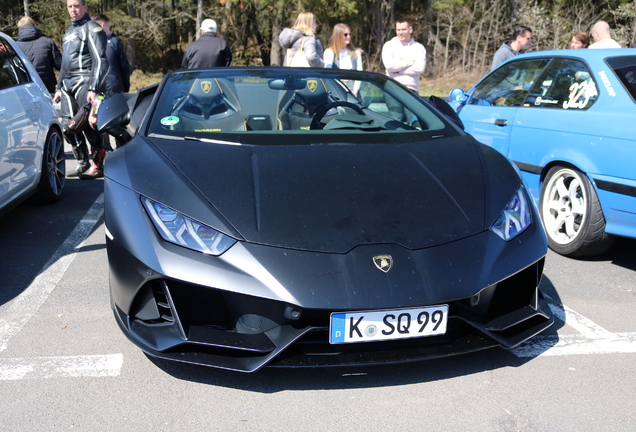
x=212, y=141
x=170, y=137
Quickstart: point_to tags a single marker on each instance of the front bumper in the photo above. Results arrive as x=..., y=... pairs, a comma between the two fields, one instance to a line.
x=194, y=324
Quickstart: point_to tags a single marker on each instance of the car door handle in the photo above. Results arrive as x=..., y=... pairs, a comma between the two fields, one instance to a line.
x=36, y=99
x=501, y=122
x=2, y=110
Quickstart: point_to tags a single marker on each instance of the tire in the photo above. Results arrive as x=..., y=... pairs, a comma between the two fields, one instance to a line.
x=572, y=215
x=53, y=175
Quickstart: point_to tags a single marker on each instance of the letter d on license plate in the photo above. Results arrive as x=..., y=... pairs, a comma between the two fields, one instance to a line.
x=371, y=326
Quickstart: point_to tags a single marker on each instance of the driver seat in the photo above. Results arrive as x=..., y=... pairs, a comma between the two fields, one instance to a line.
x=296, y=108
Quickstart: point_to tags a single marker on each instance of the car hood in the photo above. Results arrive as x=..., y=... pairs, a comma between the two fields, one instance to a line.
x=332, y=198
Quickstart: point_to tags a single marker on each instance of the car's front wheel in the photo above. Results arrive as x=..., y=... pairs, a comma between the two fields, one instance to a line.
x=572, y=214
x=53, y=175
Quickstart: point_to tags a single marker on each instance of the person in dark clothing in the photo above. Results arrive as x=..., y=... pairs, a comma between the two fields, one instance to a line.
x=40, y=50
x=82, y=76
x=118, y=76
x=519, y=43
x=207, y=51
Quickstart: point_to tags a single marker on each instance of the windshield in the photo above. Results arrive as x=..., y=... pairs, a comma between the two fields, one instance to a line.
x=234, y=103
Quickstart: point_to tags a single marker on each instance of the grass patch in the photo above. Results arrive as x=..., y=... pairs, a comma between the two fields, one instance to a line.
x=441, y=86
x=140, y=80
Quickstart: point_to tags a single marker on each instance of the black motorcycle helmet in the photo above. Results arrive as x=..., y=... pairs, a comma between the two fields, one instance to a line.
x=80, y=121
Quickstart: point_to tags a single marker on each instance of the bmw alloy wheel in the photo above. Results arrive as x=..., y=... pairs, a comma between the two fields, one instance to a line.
x=572, y=214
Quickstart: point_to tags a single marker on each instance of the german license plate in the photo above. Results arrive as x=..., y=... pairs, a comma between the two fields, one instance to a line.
x=346, y=327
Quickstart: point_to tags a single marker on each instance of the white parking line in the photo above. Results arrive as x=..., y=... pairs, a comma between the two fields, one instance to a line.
x=23, y=307
x=61, y=367
x=593, y=339
x=578, y=322
x=17, y=313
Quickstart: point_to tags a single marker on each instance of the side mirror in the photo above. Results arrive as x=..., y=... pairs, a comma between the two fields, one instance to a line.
x=113, y=113
x=443, y=107
x=112, y=118
x=456, y=95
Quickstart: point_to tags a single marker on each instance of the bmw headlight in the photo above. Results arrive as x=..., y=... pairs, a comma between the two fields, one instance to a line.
x=183, y=231
x=515, y=218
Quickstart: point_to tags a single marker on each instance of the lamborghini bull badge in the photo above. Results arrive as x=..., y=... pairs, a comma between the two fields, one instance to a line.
x=206, y=86
x=383, y=262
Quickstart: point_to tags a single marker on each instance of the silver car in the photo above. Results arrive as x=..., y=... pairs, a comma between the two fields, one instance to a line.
x=32, y=159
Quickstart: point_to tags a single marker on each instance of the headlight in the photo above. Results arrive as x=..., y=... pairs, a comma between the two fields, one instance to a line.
x=183, y=231
x=515, y=218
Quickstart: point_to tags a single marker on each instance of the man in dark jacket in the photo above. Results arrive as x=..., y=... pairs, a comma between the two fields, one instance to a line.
x=207, y=51
x=84, y=68
x=118, y=77
x=40, y=50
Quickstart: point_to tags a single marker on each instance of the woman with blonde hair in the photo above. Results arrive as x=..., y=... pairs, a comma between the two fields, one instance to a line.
x=341, y=53
x=302, y=45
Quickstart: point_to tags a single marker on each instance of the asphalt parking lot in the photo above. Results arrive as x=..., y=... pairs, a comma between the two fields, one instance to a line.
x=64, y=364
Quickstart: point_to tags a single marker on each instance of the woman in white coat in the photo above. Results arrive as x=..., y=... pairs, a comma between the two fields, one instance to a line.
x=303, y=46
x=342, y=54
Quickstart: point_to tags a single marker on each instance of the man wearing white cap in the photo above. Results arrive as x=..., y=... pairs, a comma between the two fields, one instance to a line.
x=207, y=51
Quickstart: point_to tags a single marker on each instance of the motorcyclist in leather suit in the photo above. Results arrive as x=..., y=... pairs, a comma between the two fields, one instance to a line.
x=84, y=69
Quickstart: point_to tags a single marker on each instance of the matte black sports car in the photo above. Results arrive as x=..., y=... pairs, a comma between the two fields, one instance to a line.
x=304, y=217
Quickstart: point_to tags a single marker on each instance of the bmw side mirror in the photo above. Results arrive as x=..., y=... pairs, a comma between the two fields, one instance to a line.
x=456, y=95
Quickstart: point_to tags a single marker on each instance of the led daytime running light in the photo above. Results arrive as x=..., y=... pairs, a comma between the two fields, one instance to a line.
x=515, y=218
x=176, y=228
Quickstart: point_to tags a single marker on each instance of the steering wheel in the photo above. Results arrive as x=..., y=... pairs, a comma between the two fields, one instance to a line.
x=320, y=112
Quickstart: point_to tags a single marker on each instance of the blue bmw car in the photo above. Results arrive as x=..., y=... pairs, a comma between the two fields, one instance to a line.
x=567, y=119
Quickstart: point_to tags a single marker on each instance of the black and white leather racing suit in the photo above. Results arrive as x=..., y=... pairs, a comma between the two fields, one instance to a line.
x=84, y=69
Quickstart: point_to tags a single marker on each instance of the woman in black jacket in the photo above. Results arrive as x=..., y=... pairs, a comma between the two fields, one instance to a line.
x=40, y=50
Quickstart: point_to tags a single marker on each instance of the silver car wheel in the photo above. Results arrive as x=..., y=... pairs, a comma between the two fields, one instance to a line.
x=565, y=206
x=572, y=214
